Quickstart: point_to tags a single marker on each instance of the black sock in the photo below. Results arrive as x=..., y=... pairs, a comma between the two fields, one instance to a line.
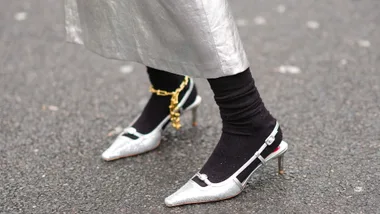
x=246, y=125
x=157, y=107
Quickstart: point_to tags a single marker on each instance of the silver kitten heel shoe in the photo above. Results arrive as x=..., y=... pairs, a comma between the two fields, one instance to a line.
x=193, y=193
x=131, y=143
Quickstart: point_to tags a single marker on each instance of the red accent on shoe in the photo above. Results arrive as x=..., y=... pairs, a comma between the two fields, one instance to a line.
x=278, y=148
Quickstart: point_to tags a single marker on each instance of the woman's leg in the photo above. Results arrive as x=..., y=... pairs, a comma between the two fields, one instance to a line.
x=250, y=134
x=157, y=107
x=246, y=125
x=145, y=133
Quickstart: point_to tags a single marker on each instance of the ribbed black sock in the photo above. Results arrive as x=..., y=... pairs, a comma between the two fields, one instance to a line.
x=157, y=107
x=246, y=125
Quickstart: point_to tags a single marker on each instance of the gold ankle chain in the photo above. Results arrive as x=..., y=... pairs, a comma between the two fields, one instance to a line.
x=174, y=114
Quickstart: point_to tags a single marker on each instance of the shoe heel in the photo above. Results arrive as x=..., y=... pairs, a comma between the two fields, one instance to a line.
x=195, y=114
x=281, y=165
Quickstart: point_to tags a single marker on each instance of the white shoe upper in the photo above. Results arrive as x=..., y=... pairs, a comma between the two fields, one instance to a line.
x=124, y=146
x=192, y=192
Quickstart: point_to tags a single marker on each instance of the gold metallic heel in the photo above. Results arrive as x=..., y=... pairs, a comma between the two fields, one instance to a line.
x=281, y=165
x=195, y=114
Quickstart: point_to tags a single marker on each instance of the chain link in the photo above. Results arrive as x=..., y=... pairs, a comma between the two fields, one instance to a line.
x=173, y=107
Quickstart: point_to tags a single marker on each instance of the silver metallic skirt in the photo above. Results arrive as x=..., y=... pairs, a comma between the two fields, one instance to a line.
x=198, y=38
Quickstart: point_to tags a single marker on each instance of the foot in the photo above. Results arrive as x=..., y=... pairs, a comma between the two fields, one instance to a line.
x=233, y=151
x=230, y=165
x=145, y=133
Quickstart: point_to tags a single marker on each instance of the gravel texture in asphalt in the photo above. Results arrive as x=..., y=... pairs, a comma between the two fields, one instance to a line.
x=316, y=64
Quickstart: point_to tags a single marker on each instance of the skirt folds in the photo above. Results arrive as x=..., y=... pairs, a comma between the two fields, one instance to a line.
x=198, y=38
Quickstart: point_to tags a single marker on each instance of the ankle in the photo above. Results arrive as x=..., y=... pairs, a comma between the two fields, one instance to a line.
x=250, y=125
x=158, y=108
x=163, y=80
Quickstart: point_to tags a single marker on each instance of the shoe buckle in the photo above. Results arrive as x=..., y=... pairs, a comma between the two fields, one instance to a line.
x=270, y=140
x=130, y=130
x=203, y=177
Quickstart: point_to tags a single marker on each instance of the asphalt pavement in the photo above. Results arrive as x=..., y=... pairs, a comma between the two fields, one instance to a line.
x=316, y=64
